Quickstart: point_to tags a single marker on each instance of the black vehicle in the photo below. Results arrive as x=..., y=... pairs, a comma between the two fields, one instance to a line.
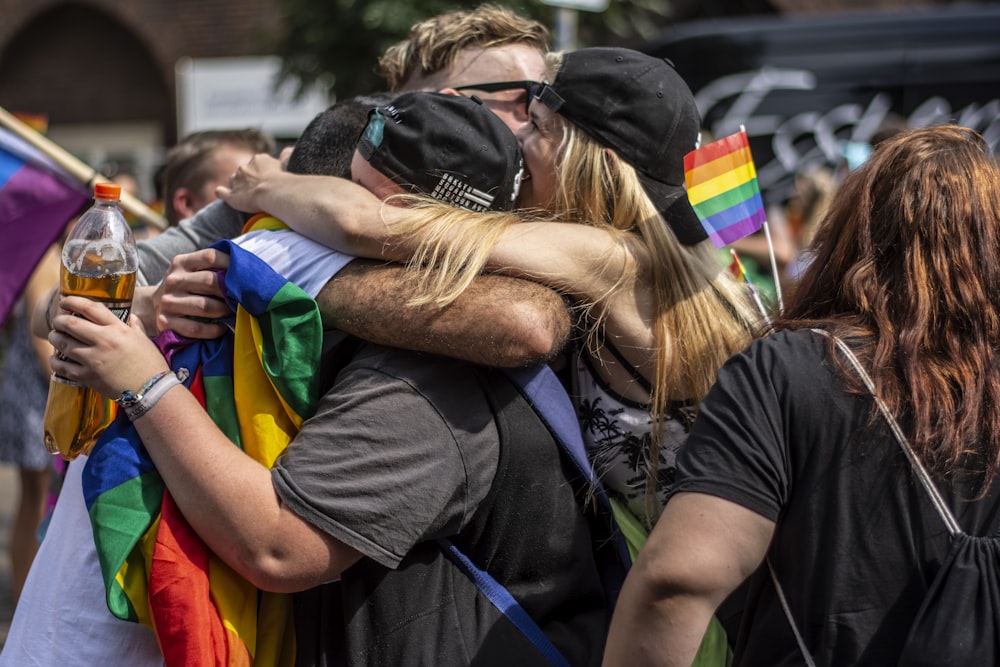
x=810, y=89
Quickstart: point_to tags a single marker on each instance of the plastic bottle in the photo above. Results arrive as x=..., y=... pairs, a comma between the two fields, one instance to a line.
x=99, y=261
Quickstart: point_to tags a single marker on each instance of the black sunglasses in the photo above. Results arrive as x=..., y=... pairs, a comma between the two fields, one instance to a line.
x=531, y=88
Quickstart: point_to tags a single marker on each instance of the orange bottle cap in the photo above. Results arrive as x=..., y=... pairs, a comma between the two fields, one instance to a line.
x=107, y=191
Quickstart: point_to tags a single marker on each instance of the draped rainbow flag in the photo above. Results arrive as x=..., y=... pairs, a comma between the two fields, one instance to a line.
x=37, y=199
x=722, y=187
x=258, y=383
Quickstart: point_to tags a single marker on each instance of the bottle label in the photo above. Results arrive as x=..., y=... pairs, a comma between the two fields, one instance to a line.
x=121, y=310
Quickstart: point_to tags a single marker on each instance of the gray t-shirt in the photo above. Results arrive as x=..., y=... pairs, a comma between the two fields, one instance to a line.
x=395, y=455
x=215, y=222
x=406, y=449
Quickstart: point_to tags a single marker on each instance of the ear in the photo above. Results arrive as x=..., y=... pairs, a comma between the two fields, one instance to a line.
x=183, y=203
x=612, y=158
x=450, y=91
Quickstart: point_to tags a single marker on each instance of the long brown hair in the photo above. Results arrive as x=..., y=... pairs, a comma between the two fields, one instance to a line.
x=906, y=269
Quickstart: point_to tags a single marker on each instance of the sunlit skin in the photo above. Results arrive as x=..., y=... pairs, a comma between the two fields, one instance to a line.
x=514, y=62
x=372, y=179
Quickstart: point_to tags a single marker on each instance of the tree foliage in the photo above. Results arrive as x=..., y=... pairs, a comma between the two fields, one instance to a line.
x=336, y=43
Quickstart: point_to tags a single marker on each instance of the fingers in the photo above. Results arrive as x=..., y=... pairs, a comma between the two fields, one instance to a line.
x=241, y=193
x=191, y=294
x=200, y=260
x=97, y=350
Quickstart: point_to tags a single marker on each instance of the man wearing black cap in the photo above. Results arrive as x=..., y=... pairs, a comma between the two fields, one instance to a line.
x=488, y=52
x=403, y=451
x=448, y=147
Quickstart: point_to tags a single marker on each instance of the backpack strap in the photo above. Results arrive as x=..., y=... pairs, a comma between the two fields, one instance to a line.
x=548, y=397
x=501, y=598
x=788, y=614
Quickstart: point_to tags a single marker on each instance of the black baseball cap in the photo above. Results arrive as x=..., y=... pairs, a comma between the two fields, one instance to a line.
x=449, y=147
x=640, y=107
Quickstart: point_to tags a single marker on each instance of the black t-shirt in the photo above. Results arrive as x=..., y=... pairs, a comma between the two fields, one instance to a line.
x=857, y=540
x=406, y=449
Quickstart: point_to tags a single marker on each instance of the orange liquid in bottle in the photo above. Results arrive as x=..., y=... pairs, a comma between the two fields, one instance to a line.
x=75, y=416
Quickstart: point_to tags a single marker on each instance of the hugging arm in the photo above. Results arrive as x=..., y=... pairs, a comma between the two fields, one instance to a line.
x=578, y=259
x=497, y=321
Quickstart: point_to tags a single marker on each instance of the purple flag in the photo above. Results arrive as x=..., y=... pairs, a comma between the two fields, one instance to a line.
x=37, y=199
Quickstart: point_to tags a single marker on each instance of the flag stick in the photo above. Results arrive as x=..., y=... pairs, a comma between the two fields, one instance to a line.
x=78, y=169
x=753, y=290
x=770, y=252
x=774, y=267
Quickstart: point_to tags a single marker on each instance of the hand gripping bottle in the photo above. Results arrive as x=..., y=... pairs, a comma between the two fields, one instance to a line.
x=99, y=261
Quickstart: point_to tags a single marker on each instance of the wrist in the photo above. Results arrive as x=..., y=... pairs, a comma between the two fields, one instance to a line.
x=137, y=403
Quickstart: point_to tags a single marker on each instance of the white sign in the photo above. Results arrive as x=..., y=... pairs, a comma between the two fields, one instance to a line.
x=231, y=93
x=584, y=5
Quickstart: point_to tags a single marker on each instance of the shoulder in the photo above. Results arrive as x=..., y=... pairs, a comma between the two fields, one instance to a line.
x=415, y=386
x=788, y=354
x=213, y=223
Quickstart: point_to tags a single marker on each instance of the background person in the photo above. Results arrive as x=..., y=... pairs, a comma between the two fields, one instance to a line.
x=790, y=459
x=24, y=384
x=202, y=161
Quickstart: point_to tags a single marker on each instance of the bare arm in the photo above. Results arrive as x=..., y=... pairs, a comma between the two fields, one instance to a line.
x=579, y=260
x=700, y=550
x=227, y=496
x=498, y=321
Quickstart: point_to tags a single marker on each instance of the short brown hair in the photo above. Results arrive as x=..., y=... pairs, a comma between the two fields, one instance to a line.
x=432, y=45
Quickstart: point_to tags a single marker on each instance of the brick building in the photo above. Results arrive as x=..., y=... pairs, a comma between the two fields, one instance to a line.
x=102, y=71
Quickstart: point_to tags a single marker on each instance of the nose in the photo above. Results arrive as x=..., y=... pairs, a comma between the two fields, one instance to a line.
x=516, y=119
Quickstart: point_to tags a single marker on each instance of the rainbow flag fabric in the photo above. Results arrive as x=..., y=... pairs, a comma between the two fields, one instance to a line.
x=258, y=383
x=37, y=199
x=722, y=187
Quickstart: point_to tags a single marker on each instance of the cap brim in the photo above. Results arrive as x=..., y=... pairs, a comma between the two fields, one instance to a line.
x=672, y=203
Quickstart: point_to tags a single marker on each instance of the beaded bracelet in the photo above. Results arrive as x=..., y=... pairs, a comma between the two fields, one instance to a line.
x=139, y=403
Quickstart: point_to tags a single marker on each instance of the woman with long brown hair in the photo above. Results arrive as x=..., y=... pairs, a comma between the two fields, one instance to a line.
x=792, y=461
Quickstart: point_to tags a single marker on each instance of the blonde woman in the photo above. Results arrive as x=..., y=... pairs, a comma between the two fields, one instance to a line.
x=604, y=149
x=608, y=224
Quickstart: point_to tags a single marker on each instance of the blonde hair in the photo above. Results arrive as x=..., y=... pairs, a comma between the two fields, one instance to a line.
x=433, y=45
x=702, y=316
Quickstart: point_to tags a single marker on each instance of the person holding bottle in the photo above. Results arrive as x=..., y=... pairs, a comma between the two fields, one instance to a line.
x=99, y=262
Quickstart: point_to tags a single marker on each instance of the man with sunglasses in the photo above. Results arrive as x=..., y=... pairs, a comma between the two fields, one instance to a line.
x=433, y=431
x=488, y=52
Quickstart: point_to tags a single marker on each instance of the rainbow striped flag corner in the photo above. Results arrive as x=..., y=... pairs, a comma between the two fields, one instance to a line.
x=722, y=187
x=37, y=199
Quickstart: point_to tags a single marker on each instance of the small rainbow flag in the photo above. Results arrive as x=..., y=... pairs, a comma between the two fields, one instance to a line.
x=722, y=188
